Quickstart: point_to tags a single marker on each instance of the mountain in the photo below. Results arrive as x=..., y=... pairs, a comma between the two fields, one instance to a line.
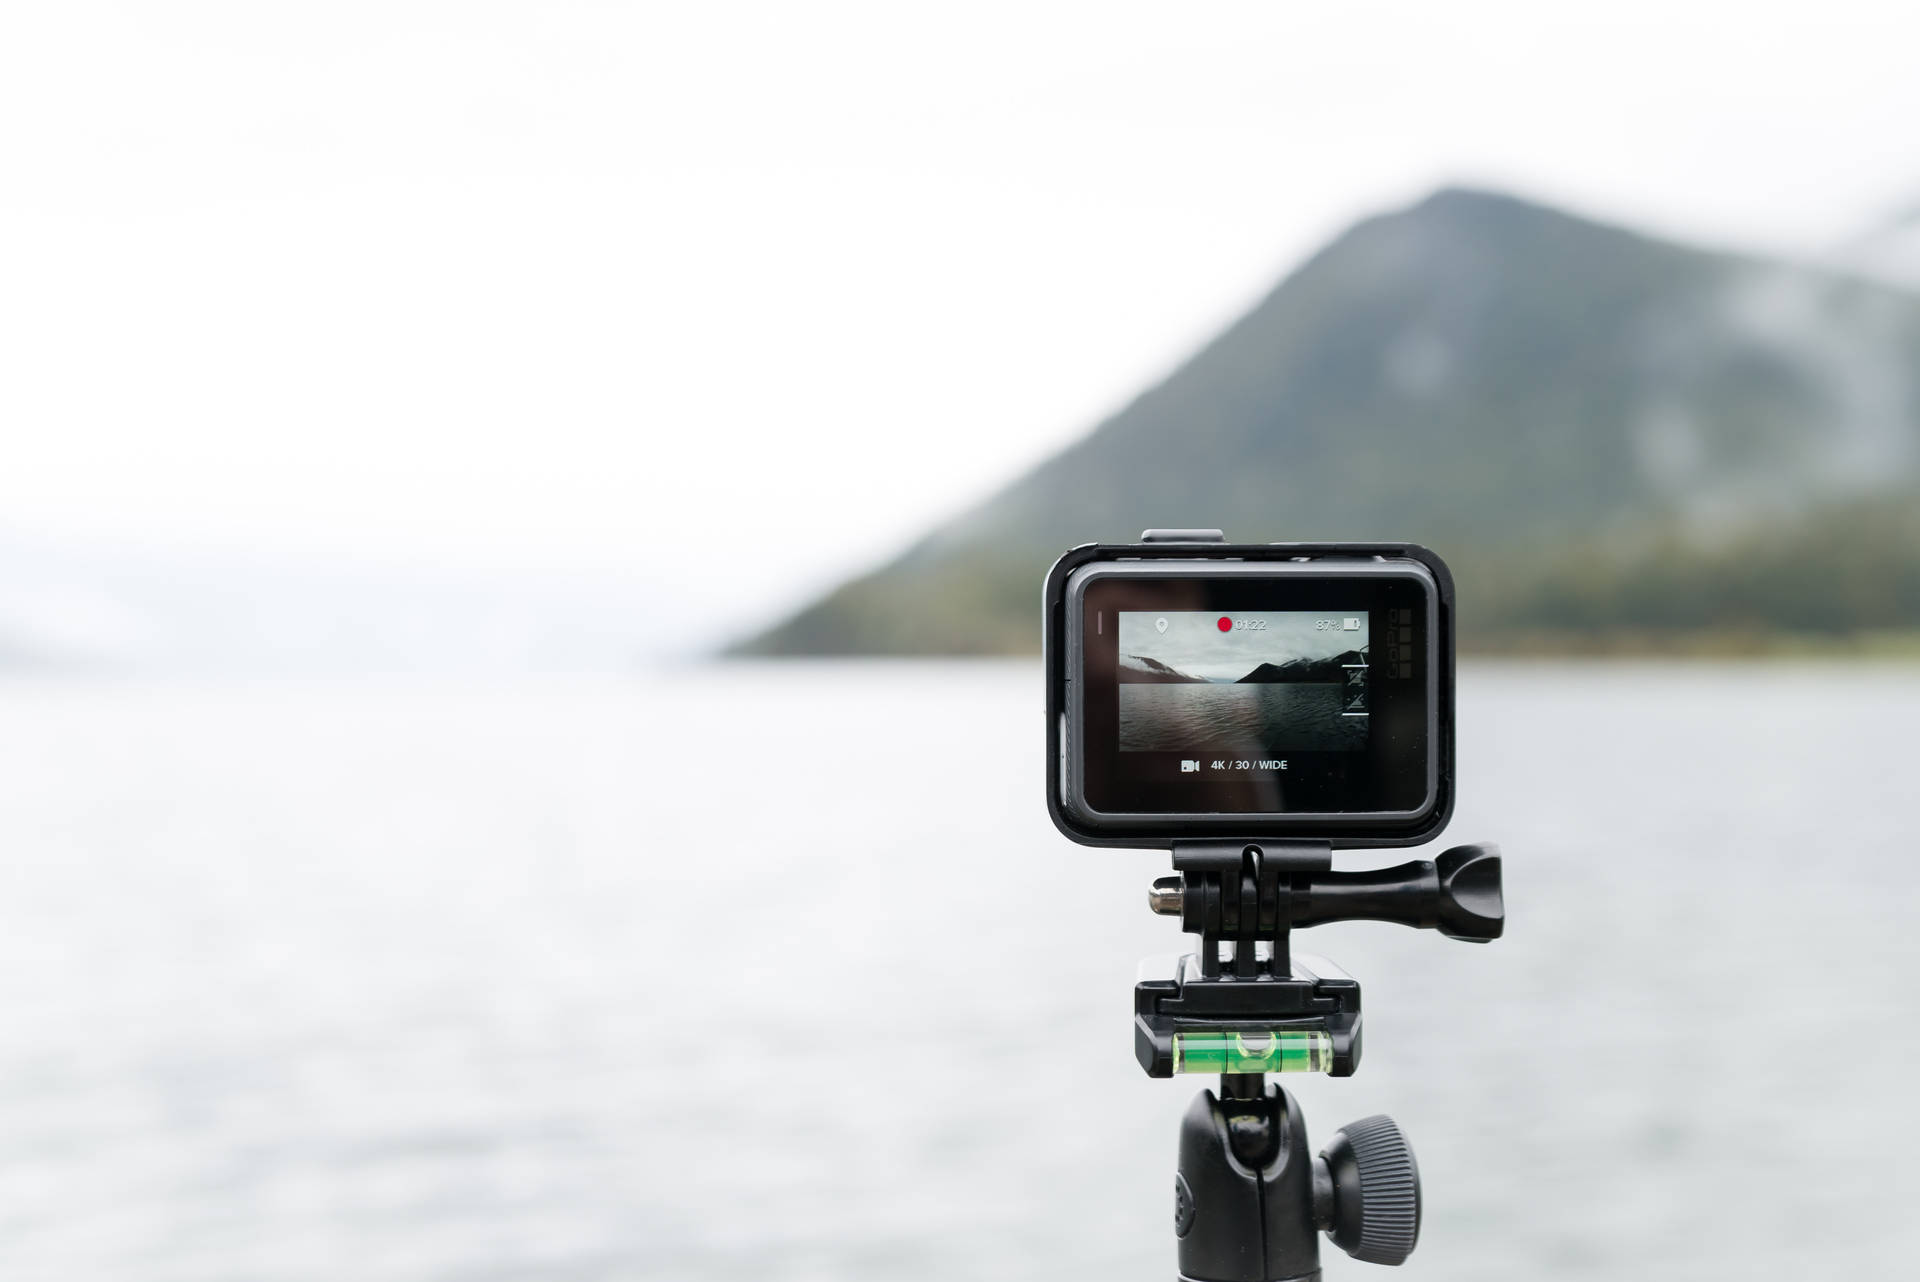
x=1888, y=250
x=1136, y=669
x=1605, y=433
x=1317, y=670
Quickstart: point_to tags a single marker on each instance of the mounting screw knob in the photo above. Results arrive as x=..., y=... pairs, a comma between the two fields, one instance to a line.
x=1367, y=1194
x=1167, y=896
x=1471, y=905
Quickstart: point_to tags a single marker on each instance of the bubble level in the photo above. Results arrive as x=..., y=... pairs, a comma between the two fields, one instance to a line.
x=1253, y=1050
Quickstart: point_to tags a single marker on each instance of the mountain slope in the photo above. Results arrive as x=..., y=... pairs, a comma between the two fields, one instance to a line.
x=1331, y=669
x=1137, y=669
x=1594, y=426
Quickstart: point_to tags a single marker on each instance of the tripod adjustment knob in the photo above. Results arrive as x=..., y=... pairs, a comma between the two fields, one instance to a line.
x=1367, y=1191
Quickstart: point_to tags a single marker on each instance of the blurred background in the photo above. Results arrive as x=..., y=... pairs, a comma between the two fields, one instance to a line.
x=484, y=486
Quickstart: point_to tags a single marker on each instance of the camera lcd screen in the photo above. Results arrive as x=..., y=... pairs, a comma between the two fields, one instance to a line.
x=1260, y=682
x=1249, y=690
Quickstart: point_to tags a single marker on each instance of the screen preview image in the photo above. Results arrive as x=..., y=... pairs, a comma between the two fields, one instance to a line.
x=1242, y=683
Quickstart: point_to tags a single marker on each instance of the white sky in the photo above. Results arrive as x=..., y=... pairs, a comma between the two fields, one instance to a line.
x=554, y=284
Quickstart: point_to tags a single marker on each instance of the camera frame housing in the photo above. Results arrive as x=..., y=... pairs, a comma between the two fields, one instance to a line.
x=1345, y=830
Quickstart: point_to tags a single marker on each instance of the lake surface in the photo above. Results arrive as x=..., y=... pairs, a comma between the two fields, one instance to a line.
x=1238, y=720
x=597, y=980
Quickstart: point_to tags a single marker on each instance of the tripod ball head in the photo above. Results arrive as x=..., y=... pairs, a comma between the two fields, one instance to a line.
x=1251, y=1200
x=1366, y=1191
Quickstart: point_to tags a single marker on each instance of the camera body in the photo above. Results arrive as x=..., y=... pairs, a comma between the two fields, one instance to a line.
x=1202, y=690
x=1254, y=707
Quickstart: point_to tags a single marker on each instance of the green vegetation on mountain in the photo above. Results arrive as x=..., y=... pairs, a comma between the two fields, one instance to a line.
x=1609, y=436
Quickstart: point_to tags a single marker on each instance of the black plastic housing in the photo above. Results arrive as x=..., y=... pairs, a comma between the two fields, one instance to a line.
x=1349, y=834
x=1317, y=995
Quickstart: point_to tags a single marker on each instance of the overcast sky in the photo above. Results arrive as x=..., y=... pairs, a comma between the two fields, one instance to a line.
x=556, y=284
x=1194, y=644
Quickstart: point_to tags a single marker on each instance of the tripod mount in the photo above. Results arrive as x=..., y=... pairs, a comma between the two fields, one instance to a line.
x=1249, y=1198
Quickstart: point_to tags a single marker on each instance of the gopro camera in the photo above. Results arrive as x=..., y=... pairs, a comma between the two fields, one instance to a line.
x=1202, y=690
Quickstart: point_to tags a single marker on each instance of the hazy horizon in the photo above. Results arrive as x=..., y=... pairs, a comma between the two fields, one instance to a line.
x=491, y=292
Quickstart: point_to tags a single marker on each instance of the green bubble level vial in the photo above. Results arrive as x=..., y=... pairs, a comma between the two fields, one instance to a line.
x=1253, y=1050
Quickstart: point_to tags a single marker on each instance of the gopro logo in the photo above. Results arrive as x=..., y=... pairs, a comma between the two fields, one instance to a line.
x=1189, y=767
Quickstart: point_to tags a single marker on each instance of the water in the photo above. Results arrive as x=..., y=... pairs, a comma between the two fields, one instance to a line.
x=1267, y=717
x=724, y=974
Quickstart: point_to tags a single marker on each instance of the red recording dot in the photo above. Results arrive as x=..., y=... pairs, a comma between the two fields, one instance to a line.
x=1226, y=624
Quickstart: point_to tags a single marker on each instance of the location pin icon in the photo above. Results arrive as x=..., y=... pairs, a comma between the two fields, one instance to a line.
x=1159, y=625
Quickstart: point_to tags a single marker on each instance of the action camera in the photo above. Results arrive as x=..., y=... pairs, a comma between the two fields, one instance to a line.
x=1198, y=689
x=1252, y=707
